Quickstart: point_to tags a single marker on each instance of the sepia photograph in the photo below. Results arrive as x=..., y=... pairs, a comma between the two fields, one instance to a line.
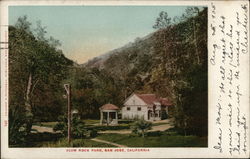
x=108, y=76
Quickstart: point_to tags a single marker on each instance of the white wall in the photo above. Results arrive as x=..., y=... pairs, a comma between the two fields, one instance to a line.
x=134, y=113
x=134, y=102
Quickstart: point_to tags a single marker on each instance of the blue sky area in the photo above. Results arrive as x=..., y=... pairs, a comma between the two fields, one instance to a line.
x=88, y=31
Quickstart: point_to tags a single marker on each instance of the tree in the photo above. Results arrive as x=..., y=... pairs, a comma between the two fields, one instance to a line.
x=141, y=127
x=183, y=51
x=40, y=31
x=163, y=21
x=23, y=24
x=79, y=130
x=191, y=12
x=78, y=126
x=36, y=70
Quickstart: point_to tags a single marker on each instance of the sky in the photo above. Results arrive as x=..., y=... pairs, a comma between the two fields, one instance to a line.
x=89, y=31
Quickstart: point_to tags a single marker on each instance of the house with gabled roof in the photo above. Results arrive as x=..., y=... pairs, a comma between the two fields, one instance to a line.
x=145, y=106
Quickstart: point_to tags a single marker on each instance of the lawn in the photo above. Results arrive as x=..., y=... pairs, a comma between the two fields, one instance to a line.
x=163, y=140
x=76, y=143
x=169, y=138
x=91, y=121
x=57, y=140
x=153, y=139
x=94, y=124
x=110, y=127
x=38, y=139
x=52, y=124
x=88, y=122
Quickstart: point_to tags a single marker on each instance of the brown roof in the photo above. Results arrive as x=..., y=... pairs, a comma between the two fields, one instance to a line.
x=148, y=98
x=109, y=107
x=151, y=98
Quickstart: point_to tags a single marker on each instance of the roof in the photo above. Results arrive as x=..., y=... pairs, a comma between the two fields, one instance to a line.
x=150, y=99
x=165, y=102
x=109, y=107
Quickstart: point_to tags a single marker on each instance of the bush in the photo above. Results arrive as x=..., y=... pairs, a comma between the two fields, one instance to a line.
x=78, y=128
x=141, y=127
x=17, y=125
x=60, y=127
x=93, y=133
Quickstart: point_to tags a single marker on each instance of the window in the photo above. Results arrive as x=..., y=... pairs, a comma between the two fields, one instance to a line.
x=128, y=108
x=139, y=108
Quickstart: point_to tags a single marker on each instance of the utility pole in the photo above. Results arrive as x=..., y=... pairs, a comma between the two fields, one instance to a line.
x=68, y=90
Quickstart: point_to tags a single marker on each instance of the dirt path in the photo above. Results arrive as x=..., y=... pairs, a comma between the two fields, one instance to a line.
x=107, y=142
x=42, y=129
x=126, y=131
x=161, y=127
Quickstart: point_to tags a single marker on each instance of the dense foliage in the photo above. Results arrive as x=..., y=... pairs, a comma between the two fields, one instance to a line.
x=92, y=88
x=78, y=129
x=36, y=69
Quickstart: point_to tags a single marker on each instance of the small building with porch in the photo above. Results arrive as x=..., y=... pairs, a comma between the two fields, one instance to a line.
x=145, y=106
x=109, y=114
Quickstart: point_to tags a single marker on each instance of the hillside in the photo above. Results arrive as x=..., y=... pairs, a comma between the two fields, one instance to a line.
x=171, y=63
x=99, y=61
x=141, y=58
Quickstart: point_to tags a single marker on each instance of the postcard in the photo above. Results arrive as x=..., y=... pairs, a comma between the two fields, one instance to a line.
x=124, y=79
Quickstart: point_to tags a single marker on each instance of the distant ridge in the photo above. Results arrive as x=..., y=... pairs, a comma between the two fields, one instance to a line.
x=100, y=60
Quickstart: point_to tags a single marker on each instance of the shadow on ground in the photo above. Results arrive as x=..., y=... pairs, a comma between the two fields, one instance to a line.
x=39, y=139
